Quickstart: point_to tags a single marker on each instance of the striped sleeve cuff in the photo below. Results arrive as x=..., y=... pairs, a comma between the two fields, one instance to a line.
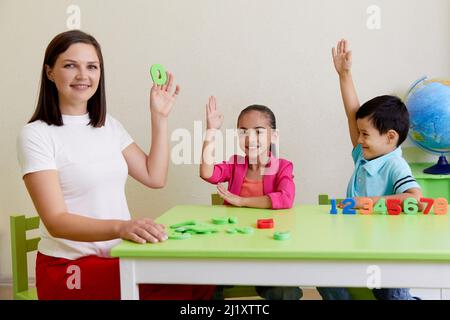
x=405, y=183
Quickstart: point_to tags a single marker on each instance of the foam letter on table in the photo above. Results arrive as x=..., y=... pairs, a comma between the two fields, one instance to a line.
x=265, y=224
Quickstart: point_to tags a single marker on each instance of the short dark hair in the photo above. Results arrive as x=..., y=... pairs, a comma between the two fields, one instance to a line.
x=262, y=109
x=47, y=108
x=387, y=113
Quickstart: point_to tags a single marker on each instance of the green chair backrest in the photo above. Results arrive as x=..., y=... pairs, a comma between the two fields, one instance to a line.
x=216, y=200
x=324, y=200
x=356, y=293
x=20, y=246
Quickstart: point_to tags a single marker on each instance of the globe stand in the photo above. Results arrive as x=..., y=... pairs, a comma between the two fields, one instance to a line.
x=442, y=167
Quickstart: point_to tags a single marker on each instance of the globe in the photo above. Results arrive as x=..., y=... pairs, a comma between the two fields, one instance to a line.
x=428, y=103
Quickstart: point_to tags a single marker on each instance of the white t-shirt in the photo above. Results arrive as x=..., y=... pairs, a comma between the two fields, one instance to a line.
x=92, y=174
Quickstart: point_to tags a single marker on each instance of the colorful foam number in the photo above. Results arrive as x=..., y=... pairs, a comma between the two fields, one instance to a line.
x=367, y=206
x=410, y=206
x=380, y=206
x=349, y=205
x=394, y=207
x=440, y=206
x=159, y=75
x=429, y=203
x=333, y=209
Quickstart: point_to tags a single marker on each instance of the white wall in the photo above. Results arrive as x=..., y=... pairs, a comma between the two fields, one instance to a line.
x=273, y=52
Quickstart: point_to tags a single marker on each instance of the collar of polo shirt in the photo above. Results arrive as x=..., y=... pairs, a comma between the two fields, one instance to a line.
x=373, y=166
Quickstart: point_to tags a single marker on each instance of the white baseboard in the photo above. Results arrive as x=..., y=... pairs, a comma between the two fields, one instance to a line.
x=6, y=281
x=427, y=294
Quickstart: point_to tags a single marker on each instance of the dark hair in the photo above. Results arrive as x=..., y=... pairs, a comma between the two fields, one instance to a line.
x=47, y=108
x=262, y=109
x=387, y=113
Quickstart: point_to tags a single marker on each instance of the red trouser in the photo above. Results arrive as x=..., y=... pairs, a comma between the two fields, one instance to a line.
x=95, y=278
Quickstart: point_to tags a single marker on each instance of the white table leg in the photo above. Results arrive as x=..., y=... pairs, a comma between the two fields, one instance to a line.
x=445, y=294
x=129, y=289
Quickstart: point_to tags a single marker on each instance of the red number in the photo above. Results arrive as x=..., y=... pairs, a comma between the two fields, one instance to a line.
x=429, y=203
x=394, y=207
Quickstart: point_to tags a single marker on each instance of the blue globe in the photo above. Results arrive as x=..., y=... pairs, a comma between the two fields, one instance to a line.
x=428, y=103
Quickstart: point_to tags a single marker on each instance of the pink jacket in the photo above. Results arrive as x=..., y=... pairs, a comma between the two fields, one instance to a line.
x=278, y=182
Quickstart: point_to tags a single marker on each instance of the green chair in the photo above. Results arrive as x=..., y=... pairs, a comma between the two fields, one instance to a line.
x=355, y=293
x=20, y=246
x=233, y=291
x=216, y=200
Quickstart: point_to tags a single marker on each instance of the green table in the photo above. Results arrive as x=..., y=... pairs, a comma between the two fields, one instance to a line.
x=324, y=250
x=433, y=186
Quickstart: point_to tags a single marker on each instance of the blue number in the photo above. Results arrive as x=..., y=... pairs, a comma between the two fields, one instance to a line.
x=333, y=207
x=349, y=205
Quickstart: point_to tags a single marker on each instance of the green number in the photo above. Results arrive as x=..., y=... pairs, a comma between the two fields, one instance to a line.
x=410, y=206
x=380, y=206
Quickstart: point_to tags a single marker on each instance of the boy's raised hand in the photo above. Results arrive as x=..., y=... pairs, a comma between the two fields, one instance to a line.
x=214, y=118
x=342, y=57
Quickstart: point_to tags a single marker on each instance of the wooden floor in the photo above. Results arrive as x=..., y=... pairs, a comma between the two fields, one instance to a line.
x=308, y=294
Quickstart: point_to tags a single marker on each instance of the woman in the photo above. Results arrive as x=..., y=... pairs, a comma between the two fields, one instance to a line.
x=75, y=159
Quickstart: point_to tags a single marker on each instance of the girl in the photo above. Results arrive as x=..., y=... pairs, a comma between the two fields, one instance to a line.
x=258, y=180
x=75, y=159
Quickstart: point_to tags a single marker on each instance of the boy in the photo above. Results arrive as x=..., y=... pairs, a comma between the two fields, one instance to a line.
x=377, y=129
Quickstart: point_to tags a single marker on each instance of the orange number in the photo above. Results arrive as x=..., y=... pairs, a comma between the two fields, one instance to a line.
x=440, y=206
x=367, y=206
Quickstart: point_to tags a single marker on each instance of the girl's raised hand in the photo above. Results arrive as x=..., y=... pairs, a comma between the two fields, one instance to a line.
x=162, y=98
x=214, y=118
x=342, y=57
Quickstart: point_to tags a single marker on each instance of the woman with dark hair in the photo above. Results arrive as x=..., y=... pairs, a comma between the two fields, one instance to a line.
x=75, y=159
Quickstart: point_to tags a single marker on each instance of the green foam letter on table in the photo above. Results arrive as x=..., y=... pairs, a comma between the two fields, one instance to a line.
x=158, y=74
x=282, y=235
x=220, y=220
x=183, y=224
